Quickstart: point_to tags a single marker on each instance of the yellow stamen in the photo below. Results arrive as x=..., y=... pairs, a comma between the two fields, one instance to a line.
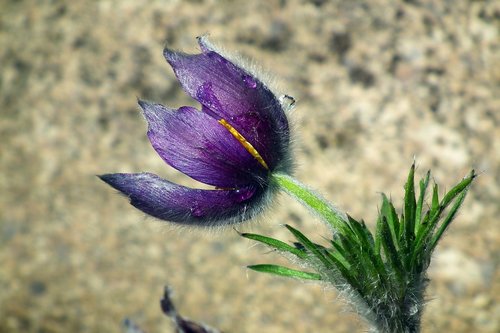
x=248, y=146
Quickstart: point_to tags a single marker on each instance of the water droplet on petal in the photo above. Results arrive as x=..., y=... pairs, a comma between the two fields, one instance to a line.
x=243, y=194
x=207, y=97
x=250, y=81
x=196, y=210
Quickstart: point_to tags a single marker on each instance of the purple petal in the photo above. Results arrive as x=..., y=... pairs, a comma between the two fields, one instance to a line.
x=229, y=92
x=175, y=203
x=197, y=145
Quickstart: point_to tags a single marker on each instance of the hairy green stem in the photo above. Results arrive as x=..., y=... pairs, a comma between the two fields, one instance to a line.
x=313, y=201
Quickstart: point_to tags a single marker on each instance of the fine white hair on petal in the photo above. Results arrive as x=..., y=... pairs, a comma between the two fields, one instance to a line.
x=286, y=102
x=249, y=65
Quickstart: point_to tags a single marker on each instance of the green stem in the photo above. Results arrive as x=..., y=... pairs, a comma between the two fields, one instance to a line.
x=317, y=204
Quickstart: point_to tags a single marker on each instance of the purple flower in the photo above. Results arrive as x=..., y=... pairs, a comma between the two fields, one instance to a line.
x=238, y=139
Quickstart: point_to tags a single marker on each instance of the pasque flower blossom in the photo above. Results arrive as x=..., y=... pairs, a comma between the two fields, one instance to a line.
x=235, y=142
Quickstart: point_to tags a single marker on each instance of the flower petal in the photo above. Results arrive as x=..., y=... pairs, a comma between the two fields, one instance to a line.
x=229, y=92
x=175, y=203
x=197, y=145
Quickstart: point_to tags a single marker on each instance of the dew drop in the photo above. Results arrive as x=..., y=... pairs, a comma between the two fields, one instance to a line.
x=250, y=81
x=244, y=194
x=196, y=210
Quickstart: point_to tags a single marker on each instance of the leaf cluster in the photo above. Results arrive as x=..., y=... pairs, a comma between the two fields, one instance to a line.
x=382, y=274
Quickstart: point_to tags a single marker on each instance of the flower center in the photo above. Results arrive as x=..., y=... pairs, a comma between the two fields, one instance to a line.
x=248, y=146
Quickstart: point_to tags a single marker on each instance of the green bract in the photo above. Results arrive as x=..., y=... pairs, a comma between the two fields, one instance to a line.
x=383, y=275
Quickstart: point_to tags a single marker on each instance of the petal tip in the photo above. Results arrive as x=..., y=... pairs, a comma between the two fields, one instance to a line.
x=204, y=43
x=171, y=56
x=115, y=180
x=142, y=103
x=152, y=111
x=105, y=177
x=112, y=179
x=147, y=108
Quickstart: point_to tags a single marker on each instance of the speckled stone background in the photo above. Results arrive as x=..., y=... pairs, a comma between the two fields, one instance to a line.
x=377, y=83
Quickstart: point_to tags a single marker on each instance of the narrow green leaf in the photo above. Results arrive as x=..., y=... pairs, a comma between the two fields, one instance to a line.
x=275, y=243
x=284, y=271
x=310, y=246
x=410, y=208
x=422, y=232
x=424, y=183
x=435, y=200
x=339, y=252
x=328, y=253
x=354, y=274
x=395, y=227
x=368, y=233
x=457, y=189
x=446, y=222
x=391, y=216
x=437, y=209
x=431, y=218
x=352, y=254
x=325, y=257
x=390, y=251
x=359, y=235
x=378, y=234
x=367, y=250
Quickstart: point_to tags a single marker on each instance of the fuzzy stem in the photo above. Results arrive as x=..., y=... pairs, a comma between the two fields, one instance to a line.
x=313, y=201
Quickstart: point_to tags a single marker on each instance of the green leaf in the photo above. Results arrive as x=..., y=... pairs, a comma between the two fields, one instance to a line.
x=328, y=253
x=310, y=246
x=391, y=253
x=424, y=183
x=389, y=212
x=361, y=231
x=378, y=235
x=339, y=252
x=423, y=239
x=446, y=222
x=328, y=260
x=367, y=253
x=435, y=200
x=463, y=185
x=385, y=272
x=284, y=271
x=352, y=255
x=431, y=218
x=276, y=244
x=351, y=271
x=409, y=208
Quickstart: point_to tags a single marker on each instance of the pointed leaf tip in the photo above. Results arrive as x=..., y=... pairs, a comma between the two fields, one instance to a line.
x=284, y=271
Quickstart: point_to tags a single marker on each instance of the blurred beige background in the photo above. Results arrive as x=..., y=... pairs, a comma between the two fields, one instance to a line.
x=377, y=83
